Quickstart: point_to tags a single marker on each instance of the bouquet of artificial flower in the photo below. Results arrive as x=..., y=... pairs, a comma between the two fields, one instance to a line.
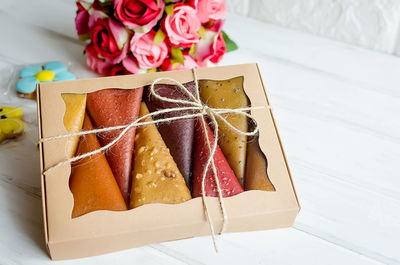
x=132, y=36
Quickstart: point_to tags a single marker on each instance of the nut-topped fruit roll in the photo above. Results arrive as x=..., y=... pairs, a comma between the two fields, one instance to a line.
x=229, y=94
x=155, y=176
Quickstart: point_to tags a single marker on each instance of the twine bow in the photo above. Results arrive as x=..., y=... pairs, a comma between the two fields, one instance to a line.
x=200, y=110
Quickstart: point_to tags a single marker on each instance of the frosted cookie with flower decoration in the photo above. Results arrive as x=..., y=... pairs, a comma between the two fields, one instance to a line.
x=11, y=125
x=31, y=75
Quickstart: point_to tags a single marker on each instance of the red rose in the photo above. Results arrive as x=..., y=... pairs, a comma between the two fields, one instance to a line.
x=219, y=49
x=109, y=39
x=81, y=19
x=118, y=69
x=139, y=15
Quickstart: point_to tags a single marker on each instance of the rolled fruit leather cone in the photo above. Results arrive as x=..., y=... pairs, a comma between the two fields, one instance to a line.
x=75, y=105
x=229, y=94
x=92, y=182
x=155, y=176
x=112, y=107
x=228, y=182
x=179, y=134
x=256, y=168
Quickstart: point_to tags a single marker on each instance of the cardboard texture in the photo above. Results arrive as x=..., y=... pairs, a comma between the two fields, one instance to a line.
x=106, y=231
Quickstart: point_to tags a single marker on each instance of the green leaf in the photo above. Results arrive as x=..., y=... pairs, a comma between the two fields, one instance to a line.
x=169, y=9
x=159, y=37
x=85, y=4
x=151, y=70
x=177, y=55
x=230, y=44
x=104, y=3
x=174, y=64
x=202, y=32
x=84, y=37
x=191, y=50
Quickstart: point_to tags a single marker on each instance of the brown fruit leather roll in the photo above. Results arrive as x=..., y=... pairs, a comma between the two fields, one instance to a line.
x=178, y=135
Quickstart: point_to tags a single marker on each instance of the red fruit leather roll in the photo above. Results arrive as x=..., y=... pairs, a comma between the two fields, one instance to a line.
x=178, y=135
x=112, y=107
x=229, y=184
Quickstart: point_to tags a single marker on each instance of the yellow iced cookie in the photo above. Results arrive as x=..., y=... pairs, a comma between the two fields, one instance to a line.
x=75, y=105
x=10, y=124
x=155, y=176
x=229, y=94
x=256, y=169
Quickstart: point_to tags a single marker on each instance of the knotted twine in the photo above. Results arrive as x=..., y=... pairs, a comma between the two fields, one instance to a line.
x=199, y=109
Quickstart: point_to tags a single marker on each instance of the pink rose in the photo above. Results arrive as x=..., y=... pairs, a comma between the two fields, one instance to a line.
x=130, y=63
x=189, y=63
x=211, y=48
x=105, y=67
x=182, y=26
x=109, y=38
x=208, y=9
x=147, y=54
x=139, y=15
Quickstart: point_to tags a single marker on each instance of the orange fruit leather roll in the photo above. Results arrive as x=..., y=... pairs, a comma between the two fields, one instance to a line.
x=256, y=168
x=92, y=182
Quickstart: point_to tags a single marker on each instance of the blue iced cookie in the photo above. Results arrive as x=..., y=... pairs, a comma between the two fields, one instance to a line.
x=31, y=75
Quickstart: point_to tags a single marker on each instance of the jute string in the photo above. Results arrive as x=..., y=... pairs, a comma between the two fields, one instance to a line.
x=197, y=109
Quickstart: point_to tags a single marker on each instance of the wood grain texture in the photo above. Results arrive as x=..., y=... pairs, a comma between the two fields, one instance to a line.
x=336, y=108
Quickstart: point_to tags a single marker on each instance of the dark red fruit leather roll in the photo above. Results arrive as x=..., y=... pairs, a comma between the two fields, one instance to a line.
x=178, y=135
x=111, y=107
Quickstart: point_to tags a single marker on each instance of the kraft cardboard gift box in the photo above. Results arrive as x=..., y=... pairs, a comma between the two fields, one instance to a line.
x=107, y=231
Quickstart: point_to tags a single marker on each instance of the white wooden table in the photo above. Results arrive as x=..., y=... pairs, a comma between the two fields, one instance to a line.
x=337, y=108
